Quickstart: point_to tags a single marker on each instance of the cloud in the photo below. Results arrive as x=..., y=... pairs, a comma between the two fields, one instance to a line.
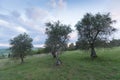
x=12, y=21
x=61, y=3
x=12, y=26
x=15, y=14
x=36, y=13
x=28, y=19
x=57, y=4
x=36, y=18
x=4, y=45
x=37, y=45
x=114, y=8
x=33, y=19
x=52, y=3
x=37, y=39
x=8, y=45
x=73, y=36
x=3, y=22
x=21, y=29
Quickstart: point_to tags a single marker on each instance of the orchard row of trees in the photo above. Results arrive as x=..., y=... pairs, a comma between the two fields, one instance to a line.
x=91, y=29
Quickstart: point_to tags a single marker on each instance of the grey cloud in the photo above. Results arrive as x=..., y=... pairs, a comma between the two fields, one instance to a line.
x=15, y=14
x=36, y=13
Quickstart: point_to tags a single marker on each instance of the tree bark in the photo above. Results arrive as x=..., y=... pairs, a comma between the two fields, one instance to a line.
x=58, y=61
x=22, y=58
x=53, y=54
x=93, y=53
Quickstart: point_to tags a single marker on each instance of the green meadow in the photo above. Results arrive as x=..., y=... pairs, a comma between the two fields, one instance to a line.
x=76, y=65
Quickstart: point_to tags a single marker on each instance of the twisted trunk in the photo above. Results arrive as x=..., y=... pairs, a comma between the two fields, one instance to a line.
x=93, y=53
x=58, y=61
x=53, y=54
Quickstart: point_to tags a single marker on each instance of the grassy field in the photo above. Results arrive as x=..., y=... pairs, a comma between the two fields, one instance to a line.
x=77, y=65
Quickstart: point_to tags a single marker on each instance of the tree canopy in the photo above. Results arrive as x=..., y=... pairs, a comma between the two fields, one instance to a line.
x=20, y=46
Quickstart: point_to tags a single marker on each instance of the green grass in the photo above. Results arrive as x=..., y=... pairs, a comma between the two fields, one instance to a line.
x=77, y=65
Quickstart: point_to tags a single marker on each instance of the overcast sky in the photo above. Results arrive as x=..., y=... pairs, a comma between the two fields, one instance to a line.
x=30, y=16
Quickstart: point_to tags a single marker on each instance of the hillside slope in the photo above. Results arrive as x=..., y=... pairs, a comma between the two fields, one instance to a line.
x=77, y=65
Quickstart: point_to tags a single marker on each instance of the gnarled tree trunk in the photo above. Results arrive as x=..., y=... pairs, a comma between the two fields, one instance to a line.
x=93, y=53
x=58, y=61
x=53, y=54
x=22, y=58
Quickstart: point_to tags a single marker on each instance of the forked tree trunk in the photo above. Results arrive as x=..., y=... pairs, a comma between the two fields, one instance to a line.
x=58, y=61
x=55, y=55
x=93, y=53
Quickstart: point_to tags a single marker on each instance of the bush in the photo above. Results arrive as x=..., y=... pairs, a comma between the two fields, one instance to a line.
x=38, y=51
x=2, y=56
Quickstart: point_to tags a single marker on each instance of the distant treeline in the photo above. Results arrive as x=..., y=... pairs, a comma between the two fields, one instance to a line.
x=4, y=53
x=83, y=45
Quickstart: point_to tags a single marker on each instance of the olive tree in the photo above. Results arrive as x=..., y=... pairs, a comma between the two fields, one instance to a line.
x=20, y=46
x=58, y=37
x=92, y=27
